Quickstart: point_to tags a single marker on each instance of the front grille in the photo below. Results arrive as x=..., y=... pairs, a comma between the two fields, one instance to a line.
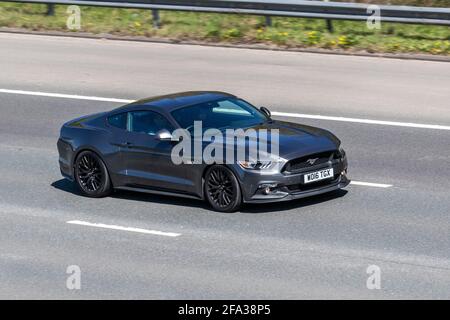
x=311, y=160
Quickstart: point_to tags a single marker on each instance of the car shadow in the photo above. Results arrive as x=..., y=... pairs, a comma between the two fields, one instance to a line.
x=68, y=186
x=160, y=199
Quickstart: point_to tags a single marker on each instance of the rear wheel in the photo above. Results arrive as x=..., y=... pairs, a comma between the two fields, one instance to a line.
x=222, y=189
x=92, y=175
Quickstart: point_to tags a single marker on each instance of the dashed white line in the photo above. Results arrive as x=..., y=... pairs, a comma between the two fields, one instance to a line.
x=275, y=113
x=130, y=229
x=370, y=184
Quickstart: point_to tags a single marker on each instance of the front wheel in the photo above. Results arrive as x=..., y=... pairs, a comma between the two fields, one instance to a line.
x=92, y=175
x=222, y=189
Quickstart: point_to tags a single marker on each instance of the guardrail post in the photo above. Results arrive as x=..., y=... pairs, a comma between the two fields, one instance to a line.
x=329, y=23
x=330, y=26
x=268, y=21
x=50, y=10
x=155, y=18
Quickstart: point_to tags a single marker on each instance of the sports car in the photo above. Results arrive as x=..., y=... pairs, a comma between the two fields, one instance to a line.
x=132, y=148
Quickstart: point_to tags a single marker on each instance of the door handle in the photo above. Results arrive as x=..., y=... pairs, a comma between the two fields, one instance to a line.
x=125, y=145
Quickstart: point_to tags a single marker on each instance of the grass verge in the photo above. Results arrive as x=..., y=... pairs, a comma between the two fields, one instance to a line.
x=284, y=32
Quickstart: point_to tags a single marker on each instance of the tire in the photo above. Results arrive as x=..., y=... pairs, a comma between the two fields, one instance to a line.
x=91, y=175
x=222, y=189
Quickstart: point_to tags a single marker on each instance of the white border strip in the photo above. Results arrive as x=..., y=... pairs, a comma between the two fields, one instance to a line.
x=130, y=229
x=275, y=113
x=370, y=184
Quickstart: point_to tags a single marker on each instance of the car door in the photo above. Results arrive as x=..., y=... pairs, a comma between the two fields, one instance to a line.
x=114, y=157
x=148, y=159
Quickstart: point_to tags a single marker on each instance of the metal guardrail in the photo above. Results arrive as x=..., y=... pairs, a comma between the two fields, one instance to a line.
x=283, y=8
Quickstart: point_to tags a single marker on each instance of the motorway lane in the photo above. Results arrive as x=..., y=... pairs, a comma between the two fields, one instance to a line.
x=315, y=248
x=385, y=89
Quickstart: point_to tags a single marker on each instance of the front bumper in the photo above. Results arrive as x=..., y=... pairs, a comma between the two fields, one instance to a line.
x=285, y=195
x=290, y=186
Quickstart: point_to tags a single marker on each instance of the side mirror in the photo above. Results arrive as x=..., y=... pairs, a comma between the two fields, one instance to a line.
x=266, y=111
x=164, y=135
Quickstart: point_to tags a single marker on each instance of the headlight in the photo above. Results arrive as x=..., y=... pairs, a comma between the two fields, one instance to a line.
x=257, y=165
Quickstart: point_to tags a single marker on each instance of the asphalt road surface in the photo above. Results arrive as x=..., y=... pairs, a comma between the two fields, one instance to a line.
x=179, y=249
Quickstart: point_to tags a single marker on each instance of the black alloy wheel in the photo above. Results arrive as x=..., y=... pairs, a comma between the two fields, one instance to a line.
x=222, y=189
x=91, y=175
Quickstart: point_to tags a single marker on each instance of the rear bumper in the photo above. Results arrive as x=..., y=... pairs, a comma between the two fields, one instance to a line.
x=65, y=152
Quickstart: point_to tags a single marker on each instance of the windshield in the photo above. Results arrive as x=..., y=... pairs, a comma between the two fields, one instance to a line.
x=225, y=113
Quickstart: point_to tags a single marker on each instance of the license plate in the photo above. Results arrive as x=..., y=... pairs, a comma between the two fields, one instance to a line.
x=318, y=175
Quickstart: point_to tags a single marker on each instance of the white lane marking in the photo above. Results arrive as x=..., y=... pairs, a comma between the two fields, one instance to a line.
x=366, y=121
x=370, y=184
x=65, y=96
x=108, y=226
x=275, y=113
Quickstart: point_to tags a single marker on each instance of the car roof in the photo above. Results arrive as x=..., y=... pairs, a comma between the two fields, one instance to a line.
x=174, y=101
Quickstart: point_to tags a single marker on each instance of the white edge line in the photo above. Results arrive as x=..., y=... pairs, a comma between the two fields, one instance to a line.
x=65, y=96
x=130, y=229
x=275, y=113
x=370, y=184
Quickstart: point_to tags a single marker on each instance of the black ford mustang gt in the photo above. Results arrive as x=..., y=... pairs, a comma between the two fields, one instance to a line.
x=131, y=148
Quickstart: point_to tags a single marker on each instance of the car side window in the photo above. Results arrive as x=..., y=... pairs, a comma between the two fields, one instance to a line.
x=118, y=120
x=148, y=122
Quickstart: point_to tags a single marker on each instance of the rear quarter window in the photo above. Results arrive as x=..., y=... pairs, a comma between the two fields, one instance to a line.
x=118, y=121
